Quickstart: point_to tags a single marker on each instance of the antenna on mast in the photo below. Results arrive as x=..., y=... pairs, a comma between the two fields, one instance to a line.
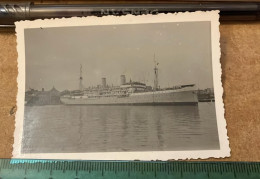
x=156, y=81
x=80, y=79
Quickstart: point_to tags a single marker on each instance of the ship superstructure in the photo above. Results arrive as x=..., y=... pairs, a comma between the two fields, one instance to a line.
x=132, y=93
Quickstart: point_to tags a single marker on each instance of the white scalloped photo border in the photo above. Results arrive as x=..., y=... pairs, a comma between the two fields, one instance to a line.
x=211, y=16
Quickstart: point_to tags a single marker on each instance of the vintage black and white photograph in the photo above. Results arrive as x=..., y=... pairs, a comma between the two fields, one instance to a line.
x=130, y=87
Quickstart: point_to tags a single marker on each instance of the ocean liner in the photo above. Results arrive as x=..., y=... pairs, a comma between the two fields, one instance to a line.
x=132, y=93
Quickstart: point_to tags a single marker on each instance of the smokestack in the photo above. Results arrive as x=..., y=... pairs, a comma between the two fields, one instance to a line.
x=122, y=79
x=104, y=82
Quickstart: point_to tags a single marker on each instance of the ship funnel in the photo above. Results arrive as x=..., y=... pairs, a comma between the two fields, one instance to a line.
x=122, y=79
x=104, y=82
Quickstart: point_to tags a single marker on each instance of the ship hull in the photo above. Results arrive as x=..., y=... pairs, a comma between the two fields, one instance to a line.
x=169, y=97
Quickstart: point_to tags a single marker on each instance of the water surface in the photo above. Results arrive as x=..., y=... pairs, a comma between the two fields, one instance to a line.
x=79, y=129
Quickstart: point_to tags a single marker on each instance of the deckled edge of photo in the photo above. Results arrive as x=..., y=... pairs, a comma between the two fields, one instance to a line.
x=212, y=16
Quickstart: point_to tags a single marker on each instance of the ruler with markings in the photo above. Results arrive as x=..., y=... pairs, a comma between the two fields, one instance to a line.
x=57, y=169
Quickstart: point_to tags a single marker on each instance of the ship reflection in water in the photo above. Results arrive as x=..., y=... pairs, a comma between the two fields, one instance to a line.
x=79, y=129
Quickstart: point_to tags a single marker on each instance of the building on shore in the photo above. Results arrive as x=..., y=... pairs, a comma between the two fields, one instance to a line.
x=206, y=95
x=35, y=97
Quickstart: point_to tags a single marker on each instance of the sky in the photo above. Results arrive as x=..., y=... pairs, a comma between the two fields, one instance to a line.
x=183, y=51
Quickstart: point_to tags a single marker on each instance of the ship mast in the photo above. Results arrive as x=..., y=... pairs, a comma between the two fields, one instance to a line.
x=80, y=79
x=156, y=82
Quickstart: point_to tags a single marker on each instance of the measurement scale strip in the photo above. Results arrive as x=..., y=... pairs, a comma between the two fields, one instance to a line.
x=117, y=169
